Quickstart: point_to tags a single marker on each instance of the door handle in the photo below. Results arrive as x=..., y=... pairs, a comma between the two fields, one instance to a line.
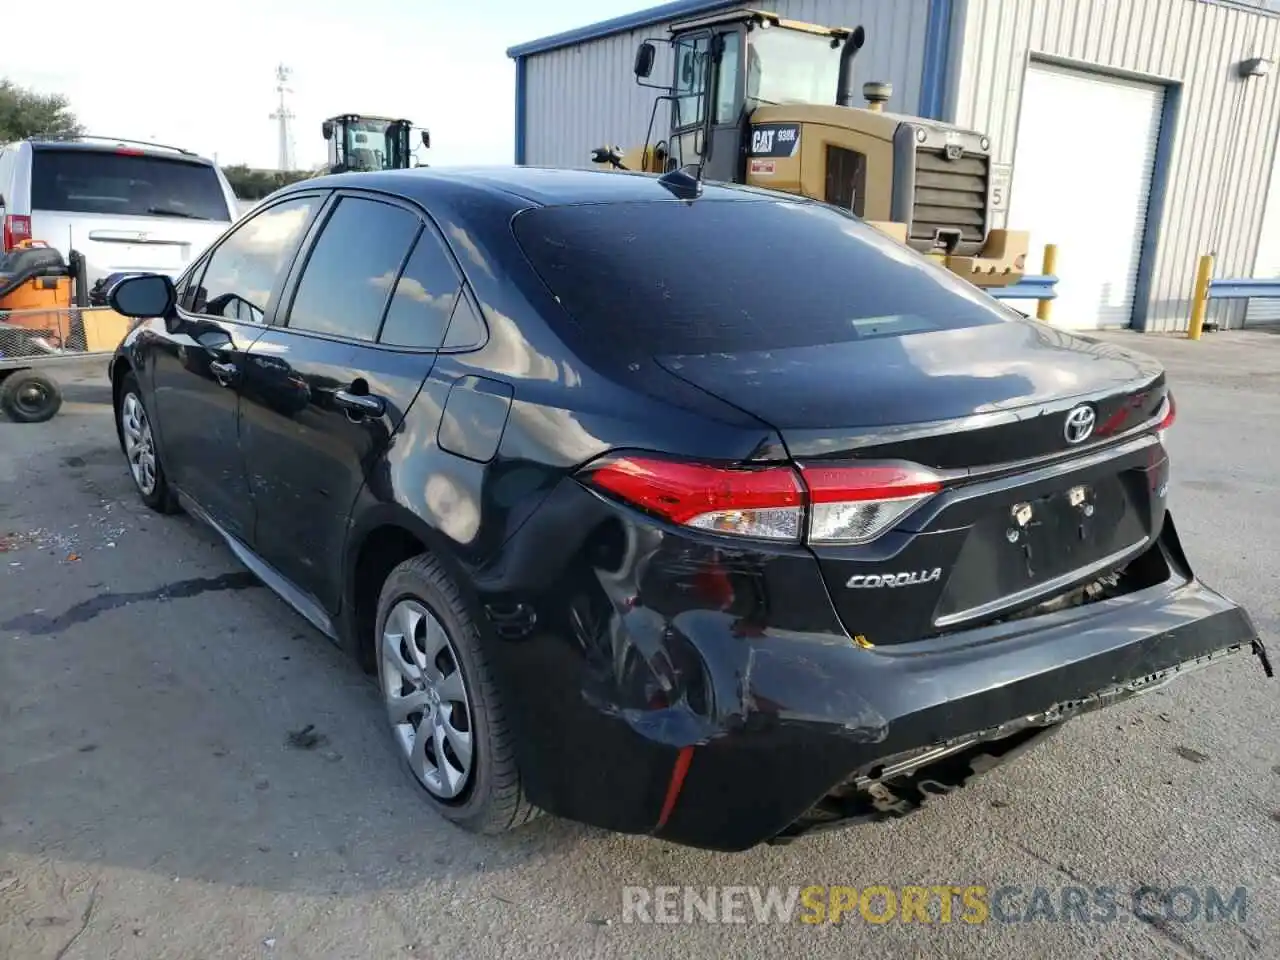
x=223, y=371
x=361, y=403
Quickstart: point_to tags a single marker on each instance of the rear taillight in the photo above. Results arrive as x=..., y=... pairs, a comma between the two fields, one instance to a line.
x=824, y=503
x=767, y=503
x=855, y=504
x=1168, y=413
x=16, y=230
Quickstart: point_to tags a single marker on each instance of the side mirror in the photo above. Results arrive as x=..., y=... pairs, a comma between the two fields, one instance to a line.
x=426, y=139
x=646, y=53
x=143, y=296
x=327, y=129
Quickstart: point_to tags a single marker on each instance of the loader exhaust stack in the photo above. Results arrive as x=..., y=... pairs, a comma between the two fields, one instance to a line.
x=844, y=85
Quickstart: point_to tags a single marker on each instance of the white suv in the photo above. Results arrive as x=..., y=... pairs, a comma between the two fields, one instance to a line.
x=124, y=206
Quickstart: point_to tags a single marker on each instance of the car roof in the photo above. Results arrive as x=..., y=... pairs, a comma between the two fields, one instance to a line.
x=113, y=146
x=535, y=186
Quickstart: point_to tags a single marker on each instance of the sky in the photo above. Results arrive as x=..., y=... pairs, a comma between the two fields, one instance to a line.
x=204, y=79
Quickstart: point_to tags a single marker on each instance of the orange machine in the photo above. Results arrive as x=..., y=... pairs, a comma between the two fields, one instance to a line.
x=36, y=292
x=48, y=316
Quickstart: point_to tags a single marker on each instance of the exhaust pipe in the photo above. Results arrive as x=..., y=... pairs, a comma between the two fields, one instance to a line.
x=844, y=86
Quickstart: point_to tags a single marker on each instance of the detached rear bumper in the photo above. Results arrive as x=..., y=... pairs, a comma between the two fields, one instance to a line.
x=945, y=703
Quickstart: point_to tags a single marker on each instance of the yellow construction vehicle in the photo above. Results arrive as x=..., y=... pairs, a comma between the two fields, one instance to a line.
x=751, y=101
x=358, y=142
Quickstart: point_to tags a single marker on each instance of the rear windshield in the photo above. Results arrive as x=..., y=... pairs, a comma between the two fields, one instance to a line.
x=719, y=276
x=104, y=182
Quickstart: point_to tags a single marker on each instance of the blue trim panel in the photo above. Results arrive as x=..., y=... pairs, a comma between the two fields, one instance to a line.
x=1030, y=287
x=937, y=53
x=1162, y=168
x=522, y=66
x=623, y=24
x=1244, y=288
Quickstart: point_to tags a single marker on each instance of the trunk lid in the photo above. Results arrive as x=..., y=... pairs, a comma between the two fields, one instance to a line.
x=1029, y=509
x=951, y=399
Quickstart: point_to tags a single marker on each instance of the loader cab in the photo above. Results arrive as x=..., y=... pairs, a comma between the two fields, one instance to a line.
x=747, y=87
x=726, y=65
x=360, y=143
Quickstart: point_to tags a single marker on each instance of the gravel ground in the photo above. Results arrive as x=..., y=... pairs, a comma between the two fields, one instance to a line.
x=153, y=803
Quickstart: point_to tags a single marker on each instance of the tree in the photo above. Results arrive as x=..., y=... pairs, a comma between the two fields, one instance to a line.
x=26, y=113
x=254, y=184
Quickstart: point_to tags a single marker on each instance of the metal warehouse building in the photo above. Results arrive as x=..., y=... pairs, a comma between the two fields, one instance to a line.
x=1134, y=134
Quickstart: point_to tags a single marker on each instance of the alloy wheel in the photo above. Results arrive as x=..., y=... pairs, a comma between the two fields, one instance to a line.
x=139, y=446
x=426, y=699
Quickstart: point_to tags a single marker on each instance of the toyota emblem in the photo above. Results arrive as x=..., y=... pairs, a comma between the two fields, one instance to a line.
x=1079, y=424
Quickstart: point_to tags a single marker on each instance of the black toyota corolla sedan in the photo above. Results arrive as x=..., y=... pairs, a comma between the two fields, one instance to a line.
x=698, y=512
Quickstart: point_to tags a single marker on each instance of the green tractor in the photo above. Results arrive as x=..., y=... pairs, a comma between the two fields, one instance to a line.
x=362, y=143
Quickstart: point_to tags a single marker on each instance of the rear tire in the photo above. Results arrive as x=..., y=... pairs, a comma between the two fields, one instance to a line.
x=442, y=703
x=29, y=397
x=137, y=440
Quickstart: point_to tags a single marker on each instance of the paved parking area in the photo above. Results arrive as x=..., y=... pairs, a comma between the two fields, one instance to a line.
x=153, y=803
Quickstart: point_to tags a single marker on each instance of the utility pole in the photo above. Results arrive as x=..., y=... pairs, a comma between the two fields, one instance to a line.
x=283, y=115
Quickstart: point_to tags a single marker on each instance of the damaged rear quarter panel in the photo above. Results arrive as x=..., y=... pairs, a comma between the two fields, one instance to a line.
x=638, y=640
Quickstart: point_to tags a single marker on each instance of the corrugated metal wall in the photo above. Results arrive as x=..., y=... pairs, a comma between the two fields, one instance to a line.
x=583, y=96
x=1266, y=265
x=1222, y=155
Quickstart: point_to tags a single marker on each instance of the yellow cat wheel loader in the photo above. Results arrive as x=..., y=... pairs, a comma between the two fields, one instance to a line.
x=765, y=101
x=358, y=142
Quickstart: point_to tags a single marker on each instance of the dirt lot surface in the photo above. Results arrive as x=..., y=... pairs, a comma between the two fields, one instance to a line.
x=156, y=800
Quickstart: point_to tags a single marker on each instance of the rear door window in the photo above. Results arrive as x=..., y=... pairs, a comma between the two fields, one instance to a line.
x=125, y=183
x=466, y=330
x=352, y=269
x=424, y=297
x=719, y=276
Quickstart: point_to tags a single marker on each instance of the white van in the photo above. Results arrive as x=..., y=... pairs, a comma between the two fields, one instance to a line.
x=124, y=206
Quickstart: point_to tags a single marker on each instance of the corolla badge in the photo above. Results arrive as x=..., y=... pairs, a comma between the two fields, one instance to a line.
x=1079, y=424
x=864, y=581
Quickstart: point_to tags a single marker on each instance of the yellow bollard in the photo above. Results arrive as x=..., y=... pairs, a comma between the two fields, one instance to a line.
x=1050, y=267
x=1200, y=299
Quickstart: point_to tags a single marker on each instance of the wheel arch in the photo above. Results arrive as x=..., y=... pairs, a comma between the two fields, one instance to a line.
x=384, y=537
x=120, y=368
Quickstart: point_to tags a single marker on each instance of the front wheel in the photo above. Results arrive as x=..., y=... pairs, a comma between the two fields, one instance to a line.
x=138, y=441
x=443, y=708
x=29, y=397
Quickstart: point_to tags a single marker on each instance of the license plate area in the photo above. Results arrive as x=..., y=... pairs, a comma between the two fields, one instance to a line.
x=1021, y=544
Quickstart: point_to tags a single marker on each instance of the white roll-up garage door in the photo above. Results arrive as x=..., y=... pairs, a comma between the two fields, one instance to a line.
x=1081, y=179
x=1266, y=264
